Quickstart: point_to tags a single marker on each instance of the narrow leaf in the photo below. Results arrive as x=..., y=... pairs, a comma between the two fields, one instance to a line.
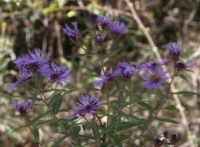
x=36, y=134
x=182, y=77
x=167, y=120
x=160, y=96
x=117, y=141
x=56, y=102
x=186, y=93
x=60, y=140
x=33, y=121
x=147, y=137
x=126, y=125
x=147, y=106
x=75, y=132
x=111, y=53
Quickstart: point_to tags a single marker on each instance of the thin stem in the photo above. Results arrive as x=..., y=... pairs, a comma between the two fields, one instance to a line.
x=99, y=121
x=131, y=106
x=121, y=99
x=31, y=131
x=28, y=90
x=43, y=98
x=152, y=119
x=111, y=46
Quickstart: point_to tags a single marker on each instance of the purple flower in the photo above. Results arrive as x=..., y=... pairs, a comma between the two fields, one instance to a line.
x=22, y=107
x=175, y=138
x=154, y=80
x=127, y=70
x=32, y=61
x=58, y=74
x=107, y=78
x=175, y=52
x=180, y=65
x=73, y=34
x=158, y=142
x=99, y=39
x=88, y=105
x=154, y=66
x=103, y=21
x=22, y=77
x=92, y=18
x=117, y=28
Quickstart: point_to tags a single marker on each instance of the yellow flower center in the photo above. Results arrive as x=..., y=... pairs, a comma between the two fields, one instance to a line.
x=155, y=78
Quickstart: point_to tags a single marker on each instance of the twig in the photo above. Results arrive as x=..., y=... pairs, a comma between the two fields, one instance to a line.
x=59, y=40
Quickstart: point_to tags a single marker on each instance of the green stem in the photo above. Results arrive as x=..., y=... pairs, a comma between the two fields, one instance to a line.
x=31, y=131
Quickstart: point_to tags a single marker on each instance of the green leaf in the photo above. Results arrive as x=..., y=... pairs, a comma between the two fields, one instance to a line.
x=147, y=106
x=170, y=107
x=60, y=140
x=130, y=116
x=186, y=93
x=30, y=123
x=56, y=102
x=113, y=52
x=182, y=76
x=167, y=120
x=147, y=137
x=50, y=121
x=109, y=128
x=126, y=125
x=160, y=96
x=19, y=128
x=75, y=132
x=117, y=141
x=36, y=134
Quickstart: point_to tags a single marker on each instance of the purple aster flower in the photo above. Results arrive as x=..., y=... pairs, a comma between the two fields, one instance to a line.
x=181, y=65
x=99, y=39
x=107, y=78
x=103, y=21
x=117, y=28
x=92, y=18
x=88, y=105
x=58, y=74
x=32, y=61
x=73, y=34
x=154, y=80
x=175, y=52
x=158, y=142
x=127, y=70
x=22, y=77
x=23, y=106
x=154, y=66
x=175, y=138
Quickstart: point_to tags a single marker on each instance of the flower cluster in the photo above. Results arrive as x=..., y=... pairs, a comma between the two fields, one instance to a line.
x=167, y=139
x=176, y=54
x=153, y=75
x=38, y=62
x=153, y=79
x=116, y=28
